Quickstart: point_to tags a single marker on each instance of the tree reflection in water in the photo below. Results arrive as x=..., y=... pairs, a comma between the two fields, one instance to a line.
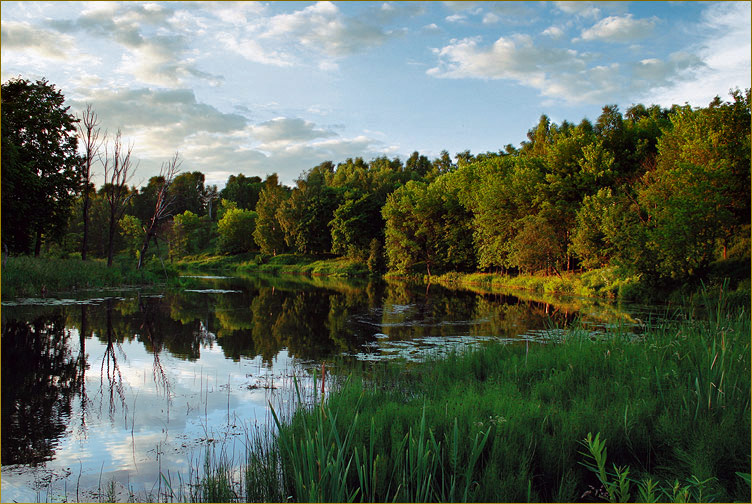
x=40, y=376
x=110, y=369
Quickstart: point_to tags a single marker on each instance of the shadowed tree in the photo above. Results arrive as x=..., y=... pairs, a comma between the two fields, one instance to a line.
x=118, y=169
x=88, y=134
x=162, y=205
x=39, y=163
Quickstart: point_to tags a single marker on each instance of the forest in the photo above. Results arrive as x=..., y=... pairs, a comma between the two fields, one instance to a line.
x=658, y=194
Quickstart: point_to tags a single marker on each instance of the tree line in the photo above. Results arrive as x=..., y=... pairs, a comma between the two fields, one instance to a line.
x=657, y=192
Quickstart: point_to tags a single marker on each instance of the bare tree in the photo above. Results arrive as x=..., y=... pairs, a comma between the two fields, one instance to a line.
x=209, y=194
x=88, y=133
x=118, y=170
x=162, y=205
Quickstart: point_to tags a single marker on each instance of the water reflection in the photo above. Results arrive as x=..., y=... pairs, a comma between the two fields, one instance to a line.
x=129, y=384
x=40, y=376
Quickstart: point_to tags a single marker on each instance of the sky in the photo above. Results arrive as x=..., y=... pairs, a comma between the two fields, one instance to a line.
x=264, y=87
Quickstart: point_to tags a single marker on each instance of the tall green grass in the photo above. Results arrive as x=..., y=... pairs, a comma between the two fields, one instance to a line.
x=506, y=422
x=25, y=276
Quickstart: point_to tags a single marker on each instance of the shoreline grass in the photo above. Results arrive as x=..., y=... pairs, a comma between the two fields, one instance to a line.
x=25, y=276
x=670, y=409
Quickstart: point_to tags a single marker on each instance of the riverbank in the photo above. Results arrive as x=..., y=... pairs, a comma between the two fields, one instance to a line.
x=669, y=407
x=25, y=276
x=285, y=264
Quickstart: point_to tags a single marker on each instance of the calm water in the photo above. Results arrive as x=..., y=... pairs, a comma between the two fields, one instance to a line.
x=131, y=384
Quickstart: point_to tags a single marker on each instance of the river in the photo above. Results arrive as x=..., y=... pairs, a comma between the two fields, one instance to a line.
x=124, y=389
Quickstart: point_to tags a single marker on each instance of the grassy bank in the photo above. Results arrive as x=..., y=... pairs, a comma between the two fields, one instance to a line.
x=25, y=276
x=670, y=408
x=290, y=264
x=731, y=276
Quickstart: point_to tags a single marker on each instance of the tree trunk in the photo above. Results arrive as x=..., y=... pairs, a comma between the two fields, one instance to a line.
x=38, y=244
x=144, y=249
x=85, y=240
x=111, y=240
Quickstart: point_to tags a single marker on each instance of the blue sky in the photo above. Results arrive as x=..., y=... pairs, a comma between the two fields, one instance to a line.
x=256, y=87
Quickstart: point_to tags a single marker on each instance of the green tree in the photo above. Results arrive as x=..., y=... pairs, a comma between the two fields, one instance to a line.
x=132, y=232
x=355, y=223
x=235, y=230
x=535, y=246
x=306, y=214
x=269, y=234
x=186, y=191
x=242, y=190
x=186, y=234
x=40, y=167
x=698, y=196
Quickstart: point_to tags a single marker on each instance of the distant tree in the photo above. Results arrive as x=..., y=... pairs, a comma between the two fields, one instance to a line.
x=187, y=191
x=89, y=135
x=269, y=234
x=162, y=204
x=242, y=190
x=236, y=229
x=40, y=166
x=534, y=247
x=418, y=164
x=133, y=233
x=186, y=234
x=118, y=169
x=356, y=221
x=209, y=196
x=306, y=214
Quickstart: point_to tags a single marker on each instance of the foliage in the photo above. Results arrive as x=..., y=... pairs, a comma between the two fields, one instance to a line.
x=269, y=234
x=133, y=233
x=244, y=191
x=188, y=234
x=39, y=163
x=235, y=230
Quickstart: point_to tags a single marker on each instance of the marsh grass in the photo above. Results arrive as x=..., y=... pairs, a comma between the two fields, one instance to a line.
x=506, y=422
x=24, y=276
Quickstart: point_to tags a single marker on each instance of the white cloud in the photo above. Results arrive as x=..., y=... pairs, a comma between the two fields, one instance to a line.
x=22, y=36
x=723, y=48
x=490, y=18
x=554, y=32
x=583, y=9
x=620, y=29
x=284, y=130
x=514, y=58
x=456, y=18
x=557, y=73
x=322, y=28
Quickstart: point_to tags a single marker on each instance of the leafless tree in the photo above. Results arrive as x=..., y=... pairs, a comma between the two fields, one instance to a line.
x=162, y=205
x=118, y=169
x=208, y=196
x=88, y=133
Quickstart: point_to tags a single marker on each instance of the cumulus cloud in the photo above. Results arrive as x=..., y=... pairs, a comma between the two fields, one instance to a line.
x=723, y=48
x=554, y=32
x=490, y=18
x=515, y=58
x=620, y=29
x=22, y=36
x=320, y=34
x=159, y=122
x=583, y=9
x=322, y=27
x=557, y=73
x=284, y=131
x=156, y=39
